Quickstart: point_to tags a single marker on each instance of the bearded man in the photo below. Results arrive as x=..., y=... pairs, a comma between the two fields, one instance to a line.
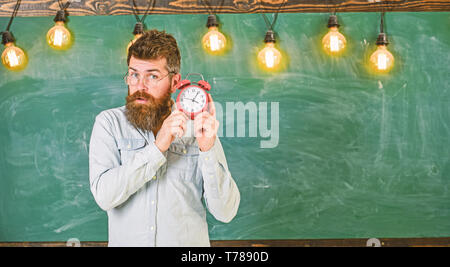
x=145, y=171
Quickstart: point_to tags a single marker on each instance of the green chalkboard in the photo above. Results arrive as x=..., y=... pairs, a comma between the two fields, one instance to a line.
x=357, y=155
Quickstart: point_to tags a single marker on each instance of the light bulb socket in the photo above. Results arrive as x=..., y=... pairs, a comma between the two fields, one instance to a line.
x=212, y=21
x=333, y=21
x=382, y=39
x=7, y=37
x=138, y=28
x=270, y=37
x=60, y=16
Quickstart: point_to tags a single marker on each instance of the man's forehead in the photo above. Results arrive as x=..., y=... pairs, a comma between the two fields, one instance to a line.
x=147, y=65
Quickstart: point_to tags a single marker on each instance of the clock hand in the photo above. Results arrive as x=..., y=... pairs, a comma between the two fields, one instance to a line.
x=195, y=97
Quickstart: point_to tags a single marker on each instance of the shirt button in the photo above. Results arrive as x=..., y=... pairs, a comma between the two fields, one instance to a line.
x=129, y=146
x=154, y=177
x=207, y=158
x=184, y=151
x=152, y=228
x=153, y=202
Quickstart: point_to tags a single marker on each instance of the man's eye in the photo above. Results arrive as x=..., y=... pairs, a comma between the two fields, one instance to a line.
x=152, y=77
x=134, y=75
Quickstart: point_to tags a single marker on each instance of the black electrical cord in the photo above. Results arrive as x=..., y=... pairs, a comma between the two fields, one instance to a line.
x=382, y=22
x=270, y=34
x=6, y=35
x=382, y=37
x=332, y=20
x=151, y=4
x=65, y=6
x=212, y=19
x=139, y=27
x=268, y=24
x=16, y=8
x=329, y=7
x=210, y=9
x=61, y=14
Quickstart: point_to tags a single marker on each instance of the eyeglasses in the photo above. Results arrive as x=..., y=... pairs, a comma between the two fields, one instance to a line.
x=150, y=80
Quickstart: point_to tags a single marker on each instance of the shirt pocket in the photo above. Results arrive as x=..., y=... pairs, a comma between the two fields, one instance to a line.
x=128, y=148
x=182, y=163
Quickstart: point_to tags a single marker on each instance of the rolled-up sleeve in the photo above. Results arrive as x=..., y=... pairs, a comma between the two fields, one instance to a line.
x=221, y=193
x=111, y=182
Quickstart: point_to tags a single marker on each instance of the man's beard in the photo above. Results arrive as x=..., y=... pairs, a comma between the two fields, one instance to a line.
x=148, y=116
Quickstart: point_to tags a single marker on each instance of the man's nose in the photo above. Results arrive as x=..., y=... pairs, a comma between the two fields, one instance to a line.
x=141, y=86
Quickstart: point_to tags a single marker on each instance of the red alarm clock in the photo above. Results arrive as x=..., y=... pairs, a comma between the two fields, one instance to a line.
x=193, y=98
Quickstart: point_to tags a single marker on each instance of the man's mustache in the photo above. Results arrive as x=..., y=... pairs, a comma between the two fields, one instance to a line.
x=139, y=95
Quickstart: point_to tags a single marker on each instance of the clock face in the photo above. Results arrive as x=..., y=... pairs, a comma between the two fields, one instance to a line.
x=192, y=99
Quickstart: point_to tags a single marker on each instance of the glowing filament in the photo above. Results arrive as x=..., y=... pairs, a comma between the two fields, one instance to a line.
x=214, y=42
x=334, y=43
x=382, y=61
x=58, y=37
x=12, y=58
x=270, y=58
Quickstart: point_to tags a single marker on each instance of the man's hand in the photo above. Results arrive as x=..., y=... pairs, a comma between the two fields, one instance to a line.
x=206, y=126
x=173, y=126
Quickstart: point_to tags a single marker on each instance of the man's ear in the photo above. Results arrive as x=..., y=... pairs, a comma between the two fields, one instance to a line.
x=175, y=79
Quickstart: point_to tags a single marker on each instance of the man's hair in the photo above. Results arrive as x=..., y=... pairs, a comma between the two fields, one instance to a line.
x=154, y=44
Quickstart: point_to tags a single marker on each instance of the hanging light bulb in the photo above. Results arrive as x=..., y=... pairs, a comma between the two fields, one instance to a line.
x=381, y=61
x=138, y=32
x=13, y=58
x=333, y=42
x=59, y=37
x=213, y=41
x=269, y=57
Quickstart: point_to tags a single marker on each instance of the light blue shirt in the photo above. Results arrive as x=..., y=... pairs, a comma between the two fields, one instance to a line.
x=154, y=198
